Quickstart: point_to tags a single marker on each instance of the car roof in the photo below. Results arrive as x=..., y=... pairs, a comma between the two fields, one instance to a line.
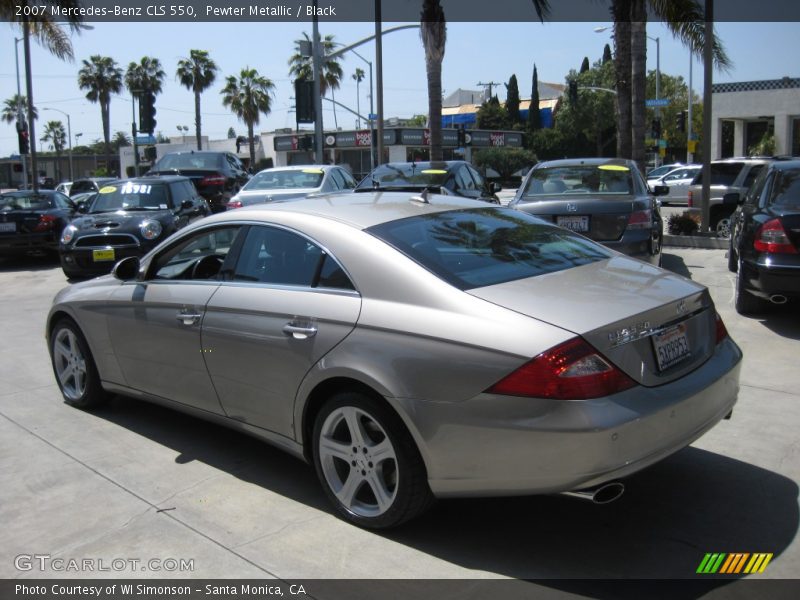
x=786, y=165
x=298, y=168
x=151, y=179
x=570, y=162
x=361, y=210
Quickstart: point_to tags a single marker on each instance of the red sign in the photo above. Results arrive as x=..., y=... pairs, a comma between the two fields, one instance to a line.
x=363, y=138
x=498, y=139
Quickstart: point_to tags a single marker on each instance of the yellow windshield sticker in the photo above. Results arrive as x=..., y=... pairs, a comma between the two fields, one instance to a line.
x=109, y=189
x=434, y=172
x=613, y=168
x=313, y=171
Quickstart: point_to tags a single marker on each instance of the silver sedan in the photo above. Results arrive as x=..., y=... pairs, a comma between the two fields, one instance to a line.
x=410, y=347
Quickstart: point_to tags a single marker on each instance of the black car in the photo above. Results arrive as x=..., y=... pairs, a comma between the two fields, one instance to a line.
x=218, y=176
x=765, y=239
x=32, y=222
x=90, y=184
x=605, y=199
x=127, y=218
x=452, y=177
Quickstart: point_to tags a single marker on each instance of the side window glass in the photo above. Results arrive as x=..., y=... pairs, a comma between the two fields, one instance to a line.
x=754, y=193
x=200, y=256
x=61, y=200
x=463, y=180
x=349, y=182
x=479, y=181
x=276, y=256
x=333, y=276
x=754, y=171
x=337, y=179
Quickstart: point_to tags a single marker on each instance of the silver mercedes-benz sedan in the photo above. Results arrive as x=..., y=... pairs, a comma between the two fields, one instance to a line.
x=410, y=347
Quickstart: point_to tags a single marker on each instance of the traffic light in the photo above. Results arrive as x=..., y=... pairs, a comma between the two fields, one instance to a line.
x=304, y=100
x=656, y=127
x=462, y=136
x=24, y=142
x=680, y=121
x=147, y=112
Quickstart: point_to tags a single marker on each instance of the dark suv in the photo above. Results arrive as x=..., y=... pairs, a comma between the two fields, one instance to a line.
x=127, y=218
x=216, y=175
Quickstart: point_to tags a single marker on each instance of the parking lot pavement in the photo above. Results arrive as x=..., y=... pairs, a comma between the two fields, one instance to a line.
x=139, y=482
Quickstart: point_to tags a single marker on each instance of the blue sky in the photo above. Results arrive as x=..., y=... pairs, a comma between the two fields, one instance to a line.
x=475, y=52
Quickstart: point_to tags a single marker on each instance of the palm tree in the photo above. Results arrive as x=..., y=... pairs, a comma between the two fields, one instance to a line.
x=248, y=97
x=300, y=67
x=685, y=19
x=197, y=73
x=13, y=106
x=101, y=77
x=433, y=31
x=55, y=134
x=359, y=77
x=147, y=75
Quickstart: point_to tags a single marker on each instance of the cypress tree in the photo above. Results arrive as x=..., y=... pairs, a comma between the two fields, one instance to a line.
x=585, y=64
x=534, y=118
x=606, y=54
x=512, y=100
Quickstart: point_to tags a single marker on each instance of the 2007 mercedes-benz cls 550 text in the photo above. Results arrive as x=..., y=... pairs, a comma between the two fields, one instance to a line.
x=409, y=346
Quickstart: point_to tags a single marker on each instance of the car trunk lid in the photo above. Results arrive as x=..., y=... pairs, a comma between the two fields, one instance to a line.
x=601, y=219
x=652, y=324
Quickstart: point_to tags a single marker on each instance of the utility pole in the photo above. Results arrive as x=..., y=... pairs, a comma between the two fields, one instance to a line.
x=316, y=53
x=489, y=85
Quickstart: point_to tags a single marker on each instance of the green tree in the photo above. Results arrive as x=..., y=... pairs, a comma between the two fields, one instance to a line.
x=506, y=161
x=585, y=64
x=120, y=140
x=534, y=117
x=248, y=97
x=358, y=76
x=13, y=105
x=48, y=30
x=55, y=134
x=512, y=101
x=101, y=77
x=231, y=133
x=433, y=31
x=331, y=73
x=491, y=115
x=146, y=75
x=197, y=73
x=607, y=54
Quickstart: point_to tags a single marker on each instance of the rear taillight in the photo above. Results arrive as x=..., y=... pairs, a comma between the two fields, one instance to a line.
x=691, y=199
x=234, y=204
x=213, y=180
x=46, y=223
x=640, y=219
x=570, y=371
x=772, y=238
x=722, y=332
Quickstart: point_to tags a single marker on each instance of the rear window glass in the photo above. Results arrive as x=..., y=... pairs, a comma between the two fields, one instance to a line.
x=285, y=179
x=487, y=246
x=721, y=173
x=25, y=202
x=786, y=189
x=189, y=161
x=608, y=179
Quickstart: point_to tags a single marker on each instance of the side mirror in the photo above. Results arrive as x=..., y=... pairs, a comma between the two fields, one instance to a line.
x=126, y=269
x=732, y=199
x=186, y=204
x=660, y=190
x=495, y=187
x=82, y=207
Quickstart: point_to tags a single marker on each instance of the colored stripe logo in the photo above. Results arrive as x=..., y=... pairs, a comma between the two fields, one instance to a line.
x=734, y=563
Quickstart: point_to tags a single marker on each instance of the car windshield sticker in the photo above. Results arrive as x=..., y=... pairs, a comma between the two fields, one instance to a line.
x=613, y=168
x=313, y=171
x=109, y=189
x=135, y=188
x=162, y=206
x=434, y=172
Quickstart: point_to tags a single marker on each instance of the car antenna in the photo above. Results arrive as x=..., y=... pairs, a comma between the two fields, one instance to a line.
x=423, y=197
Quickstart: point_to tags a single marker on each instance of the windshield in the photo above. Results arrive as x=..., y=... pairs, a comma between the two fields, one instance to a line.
x=203, y=162
x=487, y=246
x=131, y=196
x=405, y=175
x=579, y=179
x=285, y=178
x=25, y=201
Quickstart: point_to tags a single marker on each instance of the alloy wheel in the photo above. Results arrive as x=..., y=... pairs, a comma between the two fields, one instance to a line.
x=70, y=364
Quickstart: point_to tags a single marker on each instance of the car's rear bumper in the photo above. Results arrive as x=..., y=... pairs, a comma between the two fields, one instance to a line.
x=768, y=277
x=22, y=243
x=501, y=445
x=637, y=244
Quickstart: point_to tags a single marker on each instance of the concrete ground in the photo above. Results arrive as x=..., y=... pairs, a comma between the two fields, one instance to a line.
x=138, y=482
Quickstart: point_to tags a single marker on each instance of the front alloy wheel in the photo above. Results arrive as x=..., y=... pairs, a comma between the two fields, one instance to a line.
x=74, y=367
x=367, y=462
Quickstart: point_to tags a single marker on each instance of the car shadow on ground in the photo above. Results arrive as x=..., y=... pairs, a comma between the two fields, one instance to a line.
x=671, y=515
x=782, y=320
x=675, y=263
x=28, y=262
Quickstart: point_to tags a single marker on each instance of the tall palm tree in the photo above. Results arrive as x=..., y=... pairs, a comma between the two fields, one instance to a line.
x=101, y=77
x=55, y=134
x=248, y=96
x=359, y=77
x=197, y=73
x=146, y=75
x=12, y=106
x=301, y=67
x=433, y=31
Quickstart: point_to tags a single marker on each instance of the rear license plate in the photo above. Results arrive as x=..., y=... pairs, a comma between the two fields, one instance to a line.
x=103, y=255
x=8, y=227
x=579, y=224
x=671, y=346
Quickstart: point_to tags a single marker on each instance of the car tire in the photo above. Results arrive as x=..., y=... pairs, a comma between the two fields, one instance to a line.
x=368, y=463
x=74, y=368
x=745, y=302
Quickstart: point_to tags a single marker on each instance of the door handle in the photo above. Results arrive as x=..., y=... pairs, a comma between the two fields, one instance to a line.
x=188, y=318
x=299, y=332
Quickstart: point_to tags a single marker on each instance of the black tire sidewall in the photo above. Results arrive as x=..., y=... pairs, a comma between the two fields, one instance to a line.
x=94, y=394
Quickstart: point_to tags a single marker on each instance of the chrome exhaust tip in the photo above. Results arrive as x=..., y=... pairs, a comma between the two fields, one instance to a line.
x=778, y=299
x=602, y=494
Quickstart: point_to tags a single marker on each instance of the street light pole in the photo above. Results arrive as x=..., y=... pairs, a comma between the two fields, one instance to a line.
x=69, y=135
x=20, y=116
x=658, y=88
